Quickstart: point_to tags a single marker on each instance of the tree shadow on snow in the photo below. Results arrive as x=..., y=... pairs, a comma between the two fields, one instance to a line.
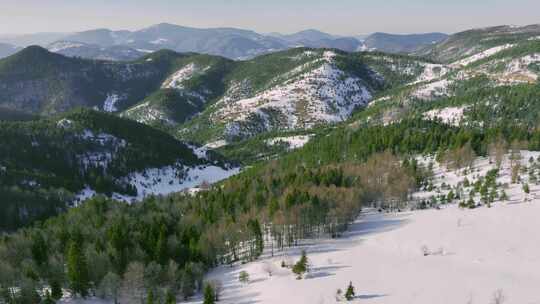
x=370, y=296
x=375, y=224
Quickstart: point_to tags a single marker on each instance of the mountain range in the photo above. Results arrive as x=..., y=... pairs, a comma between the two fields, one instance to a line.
x=232, y=43
x=245, y=110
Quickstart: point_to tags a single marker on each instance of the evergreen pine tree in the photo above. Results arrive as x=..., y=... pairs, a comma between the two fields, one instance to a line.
x=301, y=266
x=77, y=269
x=526, y=188
x=161, y=246
x=350, y=294
x=150, y=297
x=56, y=290
x=209, y=296
x=170, y=298
x=39, y=249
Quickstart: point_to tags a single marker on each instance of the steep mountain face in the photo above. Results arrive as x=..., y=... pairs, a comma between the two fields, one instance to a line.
x=94, y=51
x=7, y=50
x=296, y=90
x=474, y=41
x=50, y=164
x=197, y=81
x=40, y=82
x=392, y=43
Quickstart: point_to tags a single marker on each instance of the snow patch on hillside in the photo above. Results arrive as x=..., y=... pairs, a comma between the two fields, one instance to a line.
x=324, y=94
x=216, y=144
x=144, y=113
x=159, y=41
x=479, y=56
x=432, y=72
x=171, y=179
x=294, y=142
x=517, y=70
x=166, y=180
x=101, y=156
x=432, y=90
x=109, y=105
x=64, y=45
x=449, y=115
x=175, y=81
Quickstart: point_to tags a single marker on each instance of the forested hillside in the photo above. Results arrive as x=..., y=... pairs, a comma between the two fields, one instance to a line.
x=48, y=162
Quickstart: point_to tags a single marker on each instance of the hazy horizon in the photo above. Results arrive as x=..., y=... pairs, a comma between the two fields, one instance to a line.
x=339, y=17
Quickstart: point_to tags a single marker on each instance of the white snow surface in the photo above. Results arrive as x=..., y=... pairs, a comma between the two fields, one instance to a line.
x=327, y=94
x=432, y=72
x=448, y=115
x=109, y=105
x=64, y=45
x=472, y=254
x=294, y=142
x=479, y=56
x=167, y=180
x=216, y=144
x=432, y=90
x=175, y=81
x=159, y=41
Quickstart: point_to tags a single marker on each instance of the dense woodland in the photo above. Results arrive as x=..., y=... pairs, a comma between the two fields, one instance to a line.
x=162, y=247
x=47, y=161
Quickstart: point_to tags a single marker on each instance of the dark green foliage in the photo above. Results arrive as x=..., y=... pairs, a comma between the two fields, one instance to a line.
x=56, y=290
x=150, y=297
x=301, y=267
x=77, y=269
x=526, y=188
x=349, y=293
x=40, y=169
x=209, y=295
x=39, y=249
x=61, y=83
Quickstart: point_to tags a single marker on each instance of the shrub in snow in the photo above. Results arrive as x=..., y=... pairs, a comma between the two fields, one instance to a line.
x=350, y=294
x=526, y=188
x=301, y=266
x=209, y=296
x=243, y=277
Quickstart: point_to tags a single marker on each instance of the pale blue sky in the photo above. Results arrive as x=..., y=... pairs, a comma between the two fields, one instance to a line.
x=335, y=16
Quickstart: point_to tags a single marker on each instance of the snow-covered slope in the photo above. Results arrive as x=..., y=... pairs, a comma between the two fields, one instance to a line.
x=325, y=94
x=448, y=255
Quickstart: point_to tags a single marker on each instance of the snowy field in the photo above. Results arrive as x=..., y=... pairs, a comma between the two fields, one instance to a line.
x=474, y=254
